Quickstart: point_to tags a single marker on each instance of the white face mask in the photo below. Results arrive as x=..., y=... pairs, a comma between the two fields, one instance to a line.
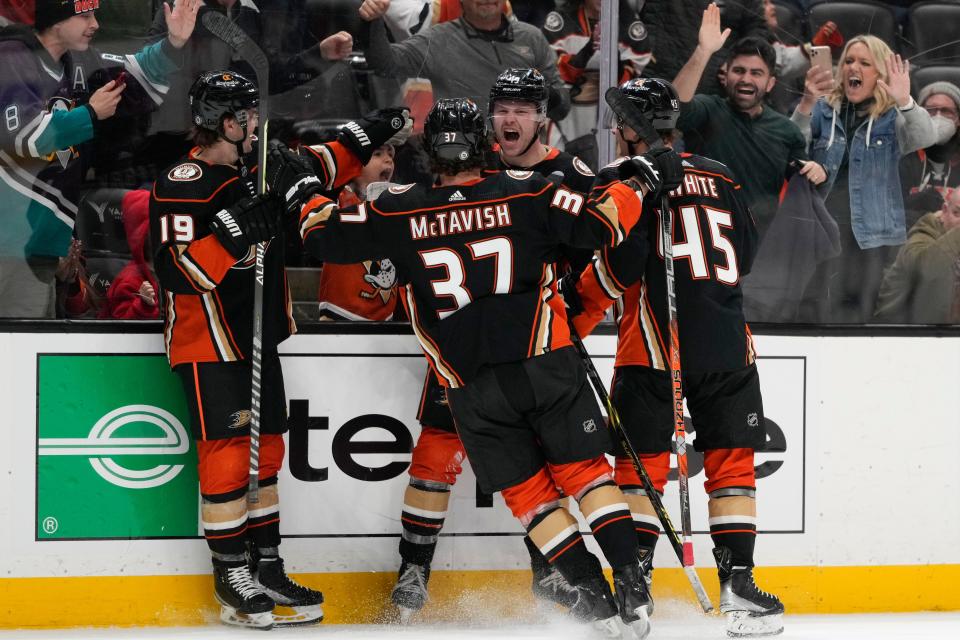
x=944, y=127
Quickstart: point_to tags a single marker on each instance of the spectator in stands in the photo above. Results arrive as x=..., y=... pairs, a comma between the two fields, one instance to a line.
x=51, y=106
x=792, y=69
x=738, y=129
x=574, y=33
x=922, y=285
x=859, y=132
x=171, y=124
x=463, y=57
x=133, y=293
x=366, y=290
x=673, y=31
x=928, y=173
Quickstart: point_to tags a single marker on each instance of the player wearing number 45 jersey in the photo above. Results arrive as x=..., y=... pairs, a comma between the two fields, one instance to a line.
x=715, y=240
x=475, y=257
x=205, y=222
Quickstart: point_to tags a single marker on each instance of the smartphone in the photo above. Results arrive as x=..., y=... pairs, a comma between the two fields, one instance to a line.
x=820, y=57
x=121, y=78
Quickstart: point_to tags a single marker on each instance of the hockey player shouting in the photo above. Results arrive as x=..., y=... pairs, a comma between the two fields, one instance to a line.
x=475, y=257
x=715, y=240
x=204, y=223
x=517, y=113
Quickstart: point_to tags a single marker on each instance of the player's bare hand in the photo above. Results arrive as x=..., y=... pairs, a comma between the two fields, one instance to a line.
x=336, y=47
x=104, y=100
x=711, y=38
x=147, y=293
x=181, y=19
x=372, y=9
x=898, y=79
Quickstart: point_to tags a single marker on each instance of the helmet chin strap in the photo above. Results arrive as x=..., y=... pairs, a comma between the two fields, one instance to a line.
x=242, y=121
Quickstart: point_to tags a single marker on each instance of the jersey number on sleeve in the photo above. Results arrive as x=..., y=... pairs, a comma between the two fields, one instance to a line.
x=453, y=286
x=692, y=247
x=181, y=226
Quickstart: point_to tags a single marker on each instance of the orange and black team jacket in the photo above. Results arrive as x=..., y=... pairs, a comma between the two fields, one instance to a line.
x=207, y=295
x=475, y=260
x=714, y=243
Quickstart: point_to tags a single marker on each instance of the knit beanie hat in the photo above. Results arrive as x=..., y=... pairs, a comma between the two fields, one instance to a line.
x=50, y=12
x=944, y=88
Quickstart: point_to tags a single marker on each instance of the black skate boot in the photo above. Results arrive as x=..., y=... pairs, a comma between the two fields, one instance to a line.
x=633, y=597
x=242, y=602
x=750, y=611
x=410, y=592
x=302, y=602
x=595, y=604
x=549, y=585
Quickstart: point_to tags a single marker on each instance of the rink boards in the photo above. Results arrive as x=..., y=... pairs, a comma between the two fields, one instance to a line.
x=857, y=490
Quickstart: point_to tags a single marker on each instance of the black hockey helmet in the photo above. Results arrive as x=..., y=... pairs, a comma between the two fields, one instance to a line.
x=218, y=93
x=656, y=99
x=526, y=85
x=455, y=131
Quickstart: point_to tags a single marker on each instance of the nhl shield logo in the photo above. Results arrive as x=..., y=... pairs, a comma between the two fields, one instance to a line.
x=589, y=426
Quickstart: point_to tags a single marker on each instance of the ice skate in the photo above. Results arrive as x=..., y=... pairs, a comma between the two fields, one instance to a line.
x=295, y=603
x=595, y=605
x=410, y=592
x=749, y=611
x=549, y=585
x=633, y=598
x=242, y=602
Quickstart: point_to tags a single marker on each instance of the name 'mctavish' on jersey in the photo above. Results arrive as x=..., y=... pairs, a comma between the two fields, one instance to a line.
x=207, y=294
x=475, y=260
x=714, y=243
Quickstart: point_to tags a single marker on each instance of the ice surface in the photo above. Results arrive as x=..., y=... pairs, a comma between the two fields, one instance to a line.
x=893, y=626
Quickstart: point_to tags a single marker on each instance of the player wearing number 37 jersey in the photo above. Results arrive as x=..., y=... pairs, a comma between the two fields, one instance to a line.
x=475, y=258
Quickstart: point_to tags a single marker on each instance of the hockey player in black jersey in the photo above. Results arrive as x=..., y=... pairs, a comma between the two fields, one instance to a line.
x=516, y=113
x=475, y=257
x=205, y=222
x=714, y=243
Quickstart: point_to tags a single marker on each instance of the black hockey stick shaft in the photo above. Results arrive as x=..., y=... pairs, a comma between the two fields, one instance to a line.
x=676, y=380
x=221, y=27
x=654, y=497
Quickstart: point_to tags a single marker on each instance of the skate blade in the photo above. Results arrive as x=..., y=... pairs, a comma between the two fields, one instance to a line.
x=230, y=616
x=608, y=628
x=640, y=628
x=743, y=624
x=290, y=616
x=406, y=614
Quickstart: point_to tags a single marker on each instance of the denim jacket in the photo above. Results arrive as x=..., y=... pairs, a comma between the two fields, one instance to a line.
x=876, y=201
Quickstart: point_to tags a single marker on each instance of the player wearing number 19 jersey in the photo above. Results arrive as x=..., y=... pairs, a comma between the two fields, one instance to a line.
x=714, y=243
x=475, y=257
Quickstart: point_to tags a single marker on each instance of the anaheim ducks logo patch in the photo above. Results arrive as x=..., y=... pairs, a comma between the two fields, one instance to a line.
x=582, y=167
x=239, y=419
x=186, y=172
x=519, y=175
x=554, y=22
x=637, y=31
x=400, y=188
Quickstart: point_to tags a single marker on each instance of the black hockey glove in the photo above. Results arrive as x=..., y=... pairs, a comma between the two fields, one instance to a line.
x=290, y=176
x=567, y=286
x=372, y=131
x=660, y=170
x=246, y=223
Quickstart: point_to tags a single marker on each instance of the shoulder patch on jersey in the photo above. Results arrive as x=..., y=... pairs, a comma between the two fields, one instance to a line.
x=581, y=166
x=519, y=175
x=401, y=188
x=186, y=172
x=637, y=31
x=554, y=22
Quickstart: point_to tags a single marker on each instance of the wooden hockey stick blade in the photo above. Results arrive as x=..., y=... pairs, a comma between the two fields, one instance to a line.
x=631, y=116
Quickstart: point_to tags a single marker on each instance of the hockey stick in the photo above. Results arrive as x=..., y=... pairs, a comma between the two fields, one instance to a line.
x=676, y=377
x=221, y=27
x=655, y=500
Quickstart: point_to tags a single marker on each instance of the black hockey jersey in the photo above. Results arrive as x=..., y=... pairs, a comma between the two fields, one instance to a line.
x=714, y=243
x=475, y=259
